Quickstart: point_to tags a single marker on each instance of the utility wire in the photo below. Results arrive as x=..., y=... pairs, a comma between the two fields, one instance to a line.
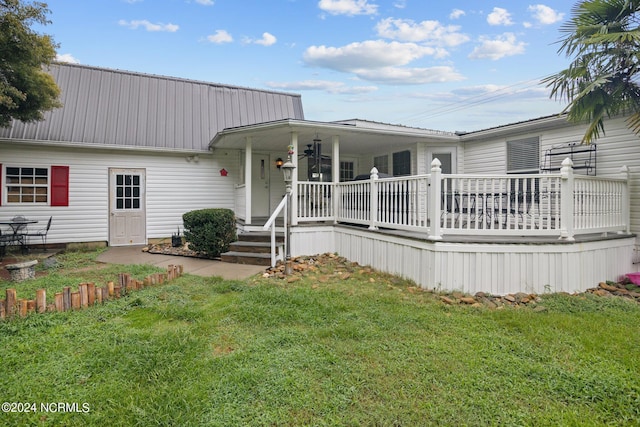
x=472, y=101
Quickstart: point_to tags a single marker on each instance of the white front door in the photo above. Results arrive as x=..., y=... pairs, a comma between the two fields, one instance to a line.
x=447, y=157
x=127, y=211
x=260, y=185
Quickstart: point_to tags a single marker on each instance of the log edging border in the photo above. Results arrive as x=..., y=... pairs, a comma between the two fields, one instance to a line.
x=86, y=295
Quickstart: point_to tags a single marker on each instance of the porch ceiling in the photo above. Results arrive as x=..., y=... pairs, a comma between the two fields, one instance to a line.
x=356, y=137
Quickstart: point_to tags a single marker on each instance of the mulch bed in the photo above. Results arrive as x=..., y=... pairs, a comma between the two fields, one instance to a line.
x=168, y=249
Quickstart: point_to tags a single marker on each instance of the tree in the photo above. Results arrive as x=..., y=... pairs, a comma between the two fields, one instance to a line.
x=603, y=38
x=26, y=89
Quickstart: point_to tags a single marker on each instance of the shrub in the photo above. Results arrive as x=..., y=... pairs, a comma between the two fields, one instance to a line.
x=209, y=231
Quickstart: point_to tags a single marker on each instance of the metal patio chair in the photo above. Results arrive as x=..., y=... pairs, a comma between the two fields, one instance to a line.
x=42, y=233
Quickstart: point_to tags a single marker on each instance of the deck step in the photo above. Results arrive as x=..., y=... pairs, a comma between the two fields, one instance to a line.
x=259, y=236
x=252, y=247
x=246, y=258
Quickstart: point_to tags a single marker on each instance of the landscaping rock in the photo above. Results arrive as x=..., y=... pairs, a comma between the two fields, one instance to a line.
x=446, y=300
x=328, y=267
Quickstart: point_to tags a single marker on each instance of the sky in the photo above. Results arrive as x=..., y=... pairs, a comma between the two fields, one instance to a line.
x=456, y=65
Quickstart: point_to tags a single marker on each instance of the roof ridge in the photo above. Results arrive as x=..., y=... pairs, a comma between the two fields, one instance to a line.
x=178, y=79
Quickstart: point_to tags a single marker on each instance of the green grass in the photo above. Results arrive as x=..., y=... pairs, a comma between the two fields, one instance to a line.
x=71, y=269
x=322, y=351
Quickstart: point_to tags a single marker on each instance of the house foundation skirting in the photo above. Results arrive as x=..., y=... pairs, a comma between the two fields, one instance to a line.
x=498, y=268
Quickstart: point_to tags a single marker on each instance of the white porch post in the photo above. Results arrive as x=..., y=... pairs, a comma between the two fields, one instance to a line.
x=293, y=154
x=248, y=147
x=435, y=200
x=626, y=202
x=373, y=199
x=335, y=176
x=567, y=231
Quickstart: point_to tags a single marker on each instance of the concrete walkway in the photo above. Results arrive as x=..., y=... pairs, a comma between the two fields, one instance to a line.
x=200, y=267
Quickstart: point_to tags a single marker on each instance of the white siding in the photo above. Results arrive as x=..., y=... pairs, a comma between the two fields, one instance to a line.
x=486, y=157
x=174, y=186
x=493, y=268
x=312, y=240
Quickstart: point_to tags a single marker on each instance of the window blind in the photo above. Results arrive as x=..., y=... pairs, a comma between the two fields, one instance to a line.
x=523, y=155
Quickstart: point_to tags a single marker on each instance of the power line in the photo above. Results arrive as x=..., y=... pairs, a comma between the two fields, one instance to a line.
x=472, y=101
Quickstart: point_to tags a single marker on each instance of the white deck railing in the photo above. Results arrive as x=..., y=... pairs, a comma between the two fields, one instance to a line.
x=560, y=204
x=271, y=225
x=314, y=201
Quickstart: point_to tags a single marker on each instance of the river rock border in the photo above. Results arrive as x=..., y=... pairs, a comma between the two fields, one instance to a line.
x=329, y=263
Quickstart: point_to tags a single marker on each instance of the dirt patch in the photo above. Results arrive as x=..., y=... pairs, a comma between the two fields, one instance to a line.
x=4, y=273
x=15, y=259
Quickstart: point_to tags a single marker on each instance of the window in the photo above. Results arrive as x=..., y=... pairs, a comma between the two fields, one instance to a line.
x=446, y=162
x=27, y=185
x=127, y=191
x=346, y=171
x=402, y=163
x=381, y=163
x=36, y=185
x=523, y=155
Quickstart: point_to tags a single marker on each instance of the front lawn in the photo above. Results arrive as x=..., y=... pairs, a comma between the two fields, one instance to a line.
x=355, y=348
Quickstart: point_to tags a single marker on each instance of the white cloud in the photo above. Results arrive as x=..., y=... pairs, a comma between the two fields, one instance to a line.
x=501, y=46
x=205, y=2
x=410, y=76
x=67, y=57
x=266, y=40
x=348, y=7
x=499, y=16
x=400, y=4
x=432, y=32
x=134, y=25
x=221, y=36
x=456, y=13
x=381, y=62
x=323, y=85
x=364, y=55
x=544, y=15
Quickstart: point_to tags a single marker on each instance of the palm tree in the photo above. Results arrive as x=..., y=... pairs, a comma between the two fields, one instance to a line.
x=603, y=38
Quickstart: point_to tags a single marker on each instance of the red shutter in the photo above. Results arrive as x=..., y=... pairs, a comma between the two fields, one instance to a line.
x=59, y=185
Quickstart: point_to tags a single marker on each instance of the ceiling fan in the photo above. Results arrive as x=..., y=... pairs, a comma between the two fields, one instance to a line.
x=313, y=150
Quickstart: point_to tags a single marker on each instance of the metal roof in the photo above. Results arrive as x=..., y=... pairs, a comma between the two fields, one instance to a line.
x=113, y=108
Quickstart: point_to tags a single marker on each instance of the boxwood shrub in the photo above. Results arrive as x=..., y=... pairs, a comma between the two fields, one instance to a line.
x=209, y=231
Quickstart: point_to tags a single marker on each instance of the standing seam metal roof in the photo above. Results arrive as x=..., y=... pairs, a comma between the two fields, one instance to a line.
x=116, y=108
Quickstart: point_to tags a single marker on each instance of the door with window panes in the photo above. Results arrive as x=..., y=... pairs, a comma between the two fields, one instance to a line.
x=127, y=213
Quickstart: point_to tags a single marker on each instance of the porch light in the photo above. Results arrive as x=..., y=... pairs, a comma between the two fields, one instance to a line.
x=279, y=162
x=287, y=170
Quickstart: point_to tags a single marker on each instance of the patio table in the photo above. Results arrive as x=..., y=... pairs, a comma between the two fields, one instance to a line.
x=17, y=233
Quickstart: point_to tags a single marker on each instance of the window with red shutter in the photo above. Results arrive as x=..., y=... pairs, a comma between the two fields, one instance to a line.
x=59, y=185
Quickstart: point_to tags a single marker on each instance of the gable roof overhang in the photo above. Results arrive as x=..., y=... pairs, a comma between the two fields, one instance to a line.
x=534, y=125
x=356, y=137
